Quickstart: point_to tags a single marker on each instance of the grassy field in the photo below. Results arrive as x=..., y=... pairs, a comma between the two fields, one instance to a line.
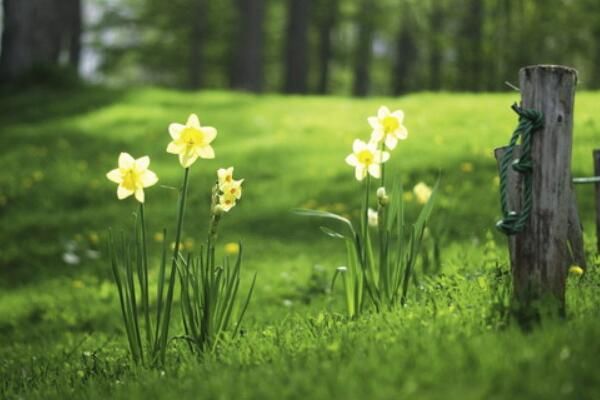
x=60, y=325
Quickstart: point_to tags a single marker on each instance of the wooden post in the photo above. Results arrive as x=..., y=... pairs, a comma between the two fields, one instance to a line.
x=540, y=252
x=597, y=173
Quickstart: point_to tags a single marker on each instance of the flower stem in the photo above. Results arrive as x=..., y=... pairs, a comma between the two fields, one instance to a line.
x=144, y=283
x=365, y=216
x=382, y=149
x=169, y=300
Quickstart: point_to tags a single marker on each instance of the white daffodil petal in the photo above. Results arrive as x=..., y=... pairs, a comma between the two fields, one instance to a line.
x=210, y=133
x=376, y=135
x=358, y=145
x=175, y=148
x=143, y=163
x=383, y=112
x=125, y=161
x=391, y=142
x=175, y=130
x=352, y=160
x=399, y=114
x=148, y=178
x=384, y=156
x=360, y=173
x=115, y=176
x=375, y=170
x=186, y=159
x=402, y=133
x=374, y=122
x=123, y=192
x=193, y=121
x=139, y=195
x=206, y=152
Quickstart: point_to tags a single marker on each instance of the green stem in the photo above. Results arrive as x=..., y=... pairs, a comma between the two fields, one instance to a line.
x=382, y=149
x=366, y=218
x=169, y=301
x=145, y=296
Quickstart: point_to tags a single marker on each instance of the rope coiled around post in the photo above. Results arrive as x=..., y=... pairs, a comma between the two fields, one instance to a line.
x=513, y=222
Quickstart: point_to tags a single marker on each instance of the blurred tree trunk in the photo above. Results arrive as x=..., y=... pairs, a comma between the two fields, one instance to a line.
x=296, y=48
x=196, y=62
x=363, y=55
x=470, y=54
x=32, y=35
x=75, y=32
x=406, y=55
x=436, y=23
x=327, y=18
x=247, y=71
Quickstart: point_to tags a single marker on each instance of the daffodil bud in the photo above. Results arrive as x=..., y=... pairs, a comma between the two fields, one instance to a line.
x=382, y=196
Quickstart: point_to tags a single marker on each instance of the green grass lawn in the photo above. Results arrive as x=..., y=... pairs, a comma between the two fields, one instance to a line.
x=60, y=326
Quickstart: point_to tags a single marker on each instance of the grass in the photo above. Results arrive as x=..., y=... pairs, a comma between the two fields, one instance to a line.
x=60, y=325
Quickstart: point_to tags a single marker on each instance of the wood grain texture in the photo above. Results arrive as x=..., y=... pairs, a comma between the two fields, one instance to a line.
x=597, y=173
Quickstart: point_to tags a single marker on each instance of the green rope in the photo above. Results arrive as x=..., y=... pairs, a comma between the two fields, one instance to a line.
x=512, y=221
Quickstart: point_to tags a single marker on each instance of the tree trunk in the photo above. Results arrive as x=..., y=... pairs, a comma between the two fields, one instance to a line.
x=470, y=50
x=363, y=55
x=32, y=35
x=327, y=22
x=75, y=32
x=406, y=55
x=436, y=19
x=296, y=49
x=196, y=64
x=247, y=71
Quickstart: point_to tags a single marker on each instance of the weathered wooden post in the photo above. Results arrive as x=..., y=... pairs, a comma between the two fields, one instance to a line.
x=540, y=252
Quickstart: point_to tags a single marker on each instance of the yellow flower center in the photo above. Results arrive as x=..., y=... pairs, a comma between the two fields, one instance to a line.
x=390, y=124
x=131, y=179
x=192, y=137
x=365, y=157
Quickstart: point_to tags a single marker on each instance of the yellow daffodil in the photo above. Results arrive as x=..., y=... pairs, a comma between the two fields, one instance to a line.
x=366, y=158
x=232, y=248
x=225, y=176
x=226, y=202
x=191, y=141
x=422, y=192
x=229, y=185
x=132, y=176
x=388, y=127
x=576, y=270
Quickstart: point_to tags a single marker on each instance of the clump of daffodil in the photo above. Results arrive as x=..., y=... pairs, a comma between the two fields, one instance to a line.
x=230, y=190
x=132, y=176
x=191, y=141
x=388, y=127
x=422, y=192
x=366, y=158
x=576, y=270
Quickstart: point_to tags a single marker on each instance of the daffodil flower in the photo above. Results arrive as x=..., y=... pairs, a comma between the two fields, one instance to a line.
x=388, y=127
x=366, y=158
x=234, y=188
x=191, y=141
x=225, y=176
x=132, y=176
x=422, y=192
x=372, y=218
x=226, y=202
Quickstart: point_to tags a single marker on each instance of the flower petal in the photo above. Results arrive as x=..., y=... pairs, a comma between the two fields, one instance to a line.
x=399, y=114
x=193, y=121
x=123, y=192
x=375, y=170
x=143, y=163
x=374, y=122
x=126, y=161
x=148, y=178
x=205, y=152
x=384, y=156
x=210, y=133
x=186, y=159
x=139, y=195
x=175, y=148
x=402, y=133
x=358, y=145
x=376, y=135
x=175, y=130
x=352, y=160
x=115, y=176
x=360, y=173
x=391, y=141
x=383, y=112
